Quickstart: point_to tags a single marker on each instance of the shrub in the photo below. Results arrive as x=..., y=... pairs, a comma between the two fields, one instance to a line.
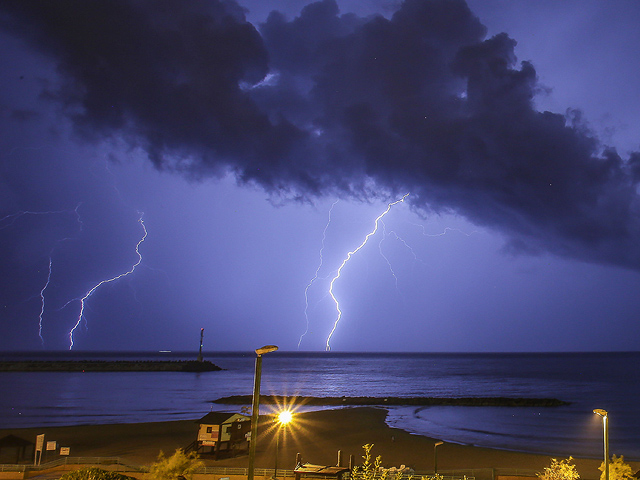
x=369, y=469
x=177, y=465
x=93, y=473
x=374, y=470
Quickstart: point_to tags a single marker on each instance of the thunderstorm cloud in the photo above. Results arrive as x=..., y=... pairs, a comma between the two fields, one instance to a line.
x=336, y=104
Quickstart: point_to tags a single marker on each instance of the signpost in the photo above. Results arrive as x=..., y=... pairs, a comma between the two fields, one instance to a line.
x=39, y=448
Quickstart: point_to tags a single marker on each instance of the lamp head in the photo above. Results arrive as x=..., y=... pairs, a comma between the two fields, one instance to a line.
x=601, y=412
x=266, y=349
x=285, y=417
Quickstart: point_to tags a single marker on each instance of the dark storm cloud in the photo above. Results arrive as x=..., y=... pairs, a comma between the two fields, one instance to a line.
x=330, y=103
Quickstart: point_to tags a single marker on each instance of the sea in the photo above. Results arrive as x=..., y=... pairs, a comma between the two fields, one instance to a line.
x=610, y=381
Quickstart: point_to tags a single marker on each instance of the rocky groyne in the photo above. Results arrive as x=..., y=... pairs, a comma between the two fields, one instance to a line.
x=108, y=366
x=377, y=401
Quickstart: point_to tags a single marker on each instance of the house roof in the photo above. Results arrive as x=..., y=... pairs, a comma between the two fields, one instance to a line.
x=218, y=418
x=329, y=471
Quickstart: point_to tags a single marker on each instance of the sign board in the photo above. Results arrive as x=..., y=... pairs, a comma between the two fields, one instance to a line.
x=39, y=448
x=65, y=450
x=208, y=443
x=52, y=445
x=39, y=442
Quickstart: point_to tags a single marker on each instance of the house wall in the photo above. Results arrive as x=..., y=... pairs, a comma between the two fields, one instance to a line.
x=208, y=434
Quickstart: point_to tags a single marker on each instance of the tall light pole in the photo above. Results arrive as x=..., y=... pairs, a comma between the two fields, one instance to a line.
x=284, y=417
x=256, y=407
x=435, y=456
x=605, y=427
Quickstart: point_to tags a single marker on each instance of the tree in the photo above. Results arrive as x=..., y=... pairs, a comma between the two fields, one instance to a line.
x=177, y=465
x=93, y=473
x=560, y=470
x=618, y=470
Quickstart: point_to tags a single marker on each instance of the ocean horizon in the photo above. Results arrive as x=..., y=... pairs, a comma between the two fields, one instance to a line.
x=586, y=380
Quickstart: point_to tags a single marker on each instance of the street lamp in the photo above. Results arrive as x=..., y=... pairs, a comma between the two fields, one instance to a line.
x=256, y=407
x=435, y=456
x=605, y=427
x=283, y=418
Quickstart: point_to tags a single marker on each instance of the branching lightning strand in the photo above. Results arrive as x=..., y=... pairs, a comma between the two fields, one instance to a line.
x=13, y=217
x=344, y=262
x=17, y=215
x=444, y=232
x=109, y=280
x=44, y=288
x=384, y=236
x=315, y=277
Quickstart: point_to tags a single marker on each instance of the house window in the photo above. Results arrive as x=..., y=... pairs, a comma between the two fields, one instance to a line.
x=209, y=429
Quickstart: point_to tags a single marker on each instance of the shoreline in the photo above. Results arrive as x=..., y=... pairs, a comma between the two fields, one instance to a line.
x=316, y=435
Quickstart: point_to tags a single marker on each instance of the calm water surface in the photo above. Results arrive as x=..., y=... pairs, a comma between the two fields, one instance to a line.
x=587, y=380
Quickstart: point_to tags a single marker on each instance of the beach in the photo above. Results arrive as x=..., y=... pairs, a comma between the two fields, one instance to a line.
x=316, y=435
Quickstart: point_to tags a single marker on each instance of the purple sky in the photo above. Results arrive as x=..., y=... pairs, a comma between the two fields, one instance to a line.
x=233, y=132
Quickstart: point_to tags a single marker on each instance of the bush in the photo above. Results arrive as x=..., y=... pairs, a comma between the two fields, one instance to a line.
x=374, y=470
x=93, y=473
x=369, y=469
x=177, y=465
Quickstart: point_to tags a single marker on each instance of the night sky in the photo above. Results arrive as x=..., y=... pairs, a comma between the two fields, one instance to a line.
x=231, y=133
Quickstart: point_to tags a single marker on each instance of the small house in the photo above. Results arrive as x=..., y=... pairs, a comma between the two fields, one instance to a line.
x=328, y=472
x=15, y=449
x=223, y=433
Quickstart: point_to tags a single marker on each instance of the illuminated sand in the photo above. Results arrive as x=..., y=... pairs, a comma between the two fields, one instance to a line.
x=316, y=435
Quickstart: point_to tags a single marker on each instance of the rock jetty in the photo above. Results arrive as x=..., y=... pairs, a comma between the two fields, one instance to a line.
x=108, y=366
x=418, y=401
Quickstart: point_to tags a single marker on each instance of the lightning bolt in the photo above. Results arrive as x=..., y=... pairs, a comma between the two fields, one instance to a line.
x=9, y=220
x=344, y=262
x=403, y=242
x=44, y=288
x=84, y=299
x=384, y=237
x=46, y=284
x=315, y=277
x=444, y=232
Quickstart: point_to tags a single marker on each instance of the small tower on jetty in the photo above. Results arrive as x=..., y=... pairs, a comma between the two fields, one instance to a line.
x=200, y=352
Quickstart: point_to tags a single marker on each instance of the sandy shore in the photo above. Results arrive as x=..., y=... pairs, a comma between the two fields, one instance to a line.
x=317, y=436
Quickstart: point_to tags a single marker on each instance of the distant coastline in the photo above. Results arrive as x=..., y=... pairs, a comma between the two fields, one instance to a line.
x=420, y=401
x=108, y=366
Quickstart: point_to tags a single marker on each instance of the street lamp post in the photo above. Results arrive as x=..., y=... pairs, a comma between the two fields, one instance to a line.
x=435, y=456
x=284, y=417
x=605, y=427
x=256, y=407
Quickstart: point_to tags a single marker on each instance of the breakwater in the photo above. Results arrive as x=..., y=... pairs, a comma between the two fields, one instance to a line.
x=108, y=366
